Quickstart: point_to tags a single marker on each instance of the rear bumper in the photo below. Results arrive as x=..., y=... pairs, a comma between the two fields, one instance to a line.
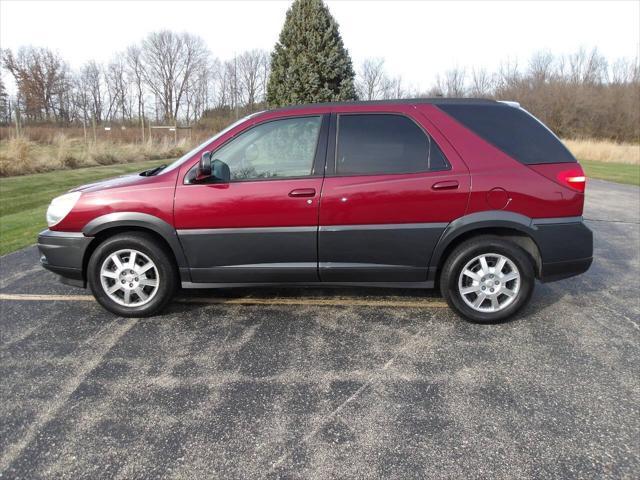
x=559, y=270
x=566, y=247
x=63, y=254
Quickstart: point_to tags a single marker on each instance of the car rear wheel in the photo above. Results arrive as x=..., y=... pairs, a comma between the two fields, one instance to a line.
x=131, y=275
x=487, y=279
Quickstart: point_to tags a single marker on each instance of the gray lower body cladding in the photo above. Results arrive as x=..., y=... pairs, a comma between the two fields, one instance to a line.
x=377, y=253
x=341, y=255
x=351, y=253
x=238, y=255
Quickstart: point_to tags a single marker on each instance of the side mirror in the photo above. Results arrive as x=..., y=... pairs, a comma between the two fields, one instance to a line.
x=220, y=171
x=203, y=171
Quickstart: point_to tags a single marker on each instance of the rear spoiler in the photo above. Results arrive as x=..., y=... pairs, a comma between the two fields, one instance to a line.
x=510, y=103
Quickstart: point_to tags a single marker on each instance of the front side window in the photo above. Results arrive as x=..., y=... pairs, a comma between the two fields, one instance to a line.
x=276, y=149
x=384, y=144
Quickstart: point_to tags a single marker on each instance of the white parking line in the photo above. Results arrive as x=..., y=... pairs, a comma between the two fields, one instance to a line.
x=38, y=298
x=318, y=302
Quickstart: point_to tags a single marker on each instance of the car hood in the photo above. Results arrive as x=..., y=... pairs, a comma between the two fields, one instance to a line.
x=122, y=181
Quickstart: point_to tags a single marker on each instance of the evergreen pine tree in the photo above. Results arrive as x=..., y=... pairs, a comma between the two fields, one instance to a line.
x=309, y=62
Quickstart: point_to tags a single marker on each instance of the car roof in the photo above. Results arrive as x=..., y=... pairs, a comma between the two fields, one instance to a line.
x=403, y=101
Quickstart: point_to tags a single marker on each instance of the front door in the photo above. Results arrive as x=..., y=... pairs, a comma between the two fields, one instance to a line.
x=388, y=195
x=262, y=226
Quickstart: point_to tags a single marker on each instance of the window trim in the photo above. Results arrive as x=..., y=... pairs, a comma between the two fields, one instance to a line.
x=334, y=132
x=316, y=165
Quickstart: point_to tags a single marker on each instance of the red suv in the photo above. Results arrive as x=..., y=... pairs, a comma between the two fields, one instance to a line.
x=477, y=197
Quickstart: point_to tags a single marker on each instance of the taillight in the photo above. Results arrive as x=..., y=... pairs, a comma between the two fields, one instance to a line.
x=573, y=178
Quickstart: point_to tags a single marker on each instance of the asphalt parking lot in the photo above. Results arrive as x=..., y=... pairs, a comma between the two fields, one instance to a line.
x=313, y=383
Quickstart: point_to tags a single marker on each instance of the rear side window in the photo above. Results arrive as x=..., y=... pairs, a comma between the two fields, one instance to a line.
x=380, y=143
x=513, y=130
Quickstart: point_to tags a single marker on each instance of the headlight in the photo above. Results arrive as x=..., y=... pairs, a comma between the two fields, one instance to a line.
x=61, y=206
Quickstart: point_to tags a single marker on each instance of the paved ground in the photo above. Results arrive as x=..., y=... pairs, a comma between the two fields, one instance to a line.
x=301, y=390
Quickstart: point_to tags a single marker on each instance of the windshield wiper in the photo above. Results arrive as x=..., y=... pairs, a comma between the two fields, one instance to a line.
x=153, y=171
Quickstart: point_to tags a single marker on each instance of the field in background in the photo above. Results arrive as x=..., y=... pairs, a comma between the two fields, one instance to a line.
x=19, y=156
x=48, y=149
x=614, y=172
x=604, y=151
x=616, y=162
x=24, y=200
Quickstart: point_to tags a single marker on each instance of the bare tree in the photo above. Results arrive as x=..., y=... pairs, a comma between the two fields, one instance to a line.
x=541, y=67
x=399, y=90
x=371, y=79
x=452, y=84
x=222, y=90
x=170, y=59
x=587, y=67
x=41, y=76
x=82, y=102
x=374, y=83
x=91, y=81
x=625, y=70
x=481, y=83
x=197, y=95
x=252, y=71
x=508, y=76
x=136, y=78
x=118, y=89
x=391, y=88
x=64, y=99
x=232, y=84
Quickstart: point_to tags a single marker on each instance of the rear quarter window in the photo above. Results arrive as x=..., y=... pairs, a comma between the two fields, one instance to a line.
x=513, y=130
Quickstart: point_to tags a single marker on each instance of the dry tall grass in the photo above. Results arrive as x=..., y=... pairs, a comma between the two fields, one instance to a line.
x=20, y=156
x=604, y=151
x=15, y=156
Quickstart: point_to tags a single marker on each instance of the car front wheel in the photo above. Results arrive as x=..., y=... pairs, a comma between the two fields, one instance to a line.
x=487, y=279
x=131, y=275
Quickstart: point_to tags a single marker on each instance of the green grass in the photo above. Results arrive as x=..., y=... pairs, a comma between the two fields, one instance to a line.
x=24, y=200
x=614, y=172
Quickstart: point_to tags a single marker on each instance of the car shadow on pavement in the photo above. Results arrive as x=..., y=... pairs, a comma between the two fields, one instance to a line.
x=191, y=301
x=327, y=292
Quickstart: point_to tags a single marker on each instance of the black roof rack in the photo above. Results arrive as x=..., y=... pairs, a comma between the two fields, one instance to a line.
x=434, y=101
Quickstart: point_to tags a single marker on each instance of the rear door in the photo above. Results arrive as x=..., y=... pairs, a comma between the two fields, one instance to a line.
x=262, y=226
x=393, y=184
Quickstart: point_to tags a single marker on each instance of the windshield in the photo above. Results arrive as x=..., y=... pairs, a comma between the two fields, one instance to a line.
x=189, y=154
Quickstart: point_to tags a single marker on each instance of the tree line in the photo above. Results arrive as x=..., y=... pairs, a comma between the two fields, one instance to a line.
x=576, y=95
x=172, y=77
x=169, y=76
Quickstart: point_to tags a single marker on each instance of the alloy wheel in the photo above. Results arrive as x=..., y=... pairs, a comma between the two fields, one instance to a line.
x=489, y=282
x=129, y=278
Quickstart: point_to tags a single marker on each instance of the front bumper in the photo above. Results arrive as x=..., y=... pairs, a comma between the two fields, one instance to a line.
x=566, y=247
x=63, y=253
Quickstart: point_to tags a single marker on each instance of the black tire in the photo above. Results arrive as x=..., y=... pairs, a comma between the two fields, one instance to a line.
x=147, y=245
x=466, y=252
